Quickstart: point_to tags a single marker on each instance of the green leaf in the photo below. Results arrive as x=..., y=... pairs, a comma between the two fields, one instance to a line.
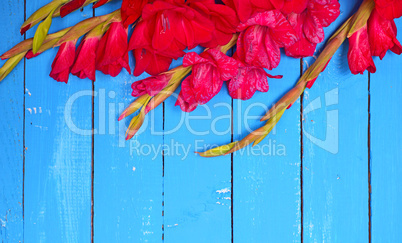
x=10, y=64
x=41, y=32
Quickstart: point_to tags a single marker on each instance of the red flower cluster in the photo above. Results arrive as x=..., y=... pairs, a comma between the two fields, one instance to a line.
x=374, y=39
x=169, y=27
x=209, y=70
x=265, y=26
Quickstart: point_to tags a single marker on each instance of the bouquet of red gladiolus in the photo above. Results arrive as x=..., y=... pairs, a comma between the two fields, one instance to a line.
x=164, y=29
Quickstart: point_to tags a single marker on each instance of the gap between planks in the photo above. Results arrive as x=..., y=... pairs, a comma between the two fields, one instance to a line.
x=301, y=156
x=369, y=158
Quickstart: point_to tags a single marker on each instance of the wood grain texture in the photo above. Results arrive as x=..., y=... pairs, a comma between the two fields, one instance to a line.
x=58, y=153
x=335, y=171
x=266, y=179
x=127, y=174
x=386, y=148
x=197, y=201
x=11, y=127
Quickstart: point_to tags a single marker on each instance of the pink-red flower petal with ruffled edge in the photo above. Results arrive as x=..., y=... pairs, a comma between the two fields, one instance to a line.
x=186, y=99
x=227, y=66
x=280, y=29
x=303, y=47
x=389, y=9
x=326, y=11
x=259, y=49
x=261, y=37
x=208, y=73
x=312, y=29
x=382, y=35
x=247, y=80
x=359, y=54
x=84, y=65
x=63, y=62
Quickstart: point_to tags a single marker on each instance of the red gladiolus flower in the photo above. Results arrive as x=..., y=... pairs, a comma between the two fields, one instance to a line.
x=170, y=27
x=210, y=69
x=63, y=62
x=151, y=85
x=84, y=66
x=359, y=54
x=309, y=26
x=261, y=37
x=382, y=35
x=112, y=55
x=131, y=10
x=389, y=9
x=248, y=80
x=224, y=18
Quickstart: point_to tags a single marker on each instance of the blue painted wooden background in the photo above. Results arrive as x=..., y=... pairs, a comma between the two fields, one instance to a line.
x=328, y=174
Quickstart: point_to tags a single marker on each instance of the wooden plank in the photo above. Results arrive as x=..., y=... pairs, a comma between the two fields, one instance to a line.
x=335, y=171
x=266, y=178
x=11, y=127
x=58, y=155
x=197, y=191
x=127, y=175
x=386, y=148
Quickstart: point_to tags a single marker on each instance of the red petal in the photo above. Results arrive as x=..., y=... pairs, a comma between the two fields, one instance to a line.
x=114, y=45
x=278, y=4
x=142, y=60
x=227, y=66
x=389, y=9
x=274, y=54
x=382, y=35
x=359, y=55
x=141, y=36
x=242, y=86
x=192, y=58
x=312, y=29
x=303, y=47
x=163, y=36
x=326, y=11
x=71, y=6
x=295, y=6
x=131, y=10
x=84, y=65
x=186, y=98
x=158, y=64
x=64, y=58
